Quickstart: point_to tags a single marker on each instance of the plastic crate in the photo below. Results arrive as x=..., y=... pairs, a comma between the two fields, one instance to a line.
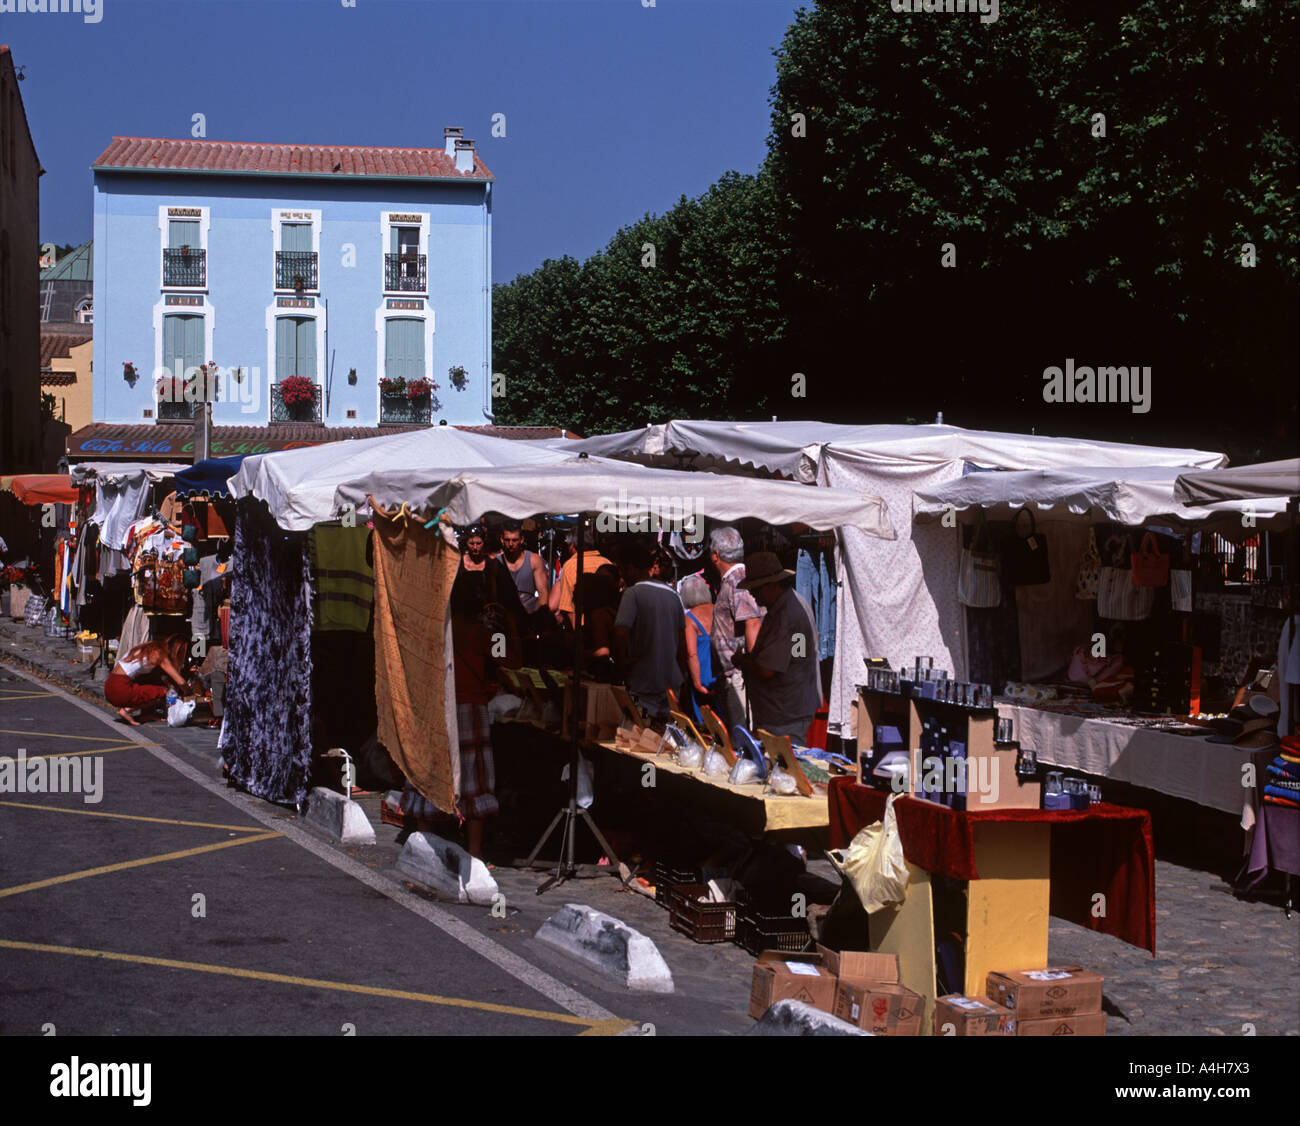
x=666, y=878
x=701, y=922
x=757, y=932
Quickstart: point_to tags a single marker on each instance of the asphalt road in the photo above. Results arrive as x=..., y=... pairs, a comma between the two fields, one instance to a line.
x=175, y=906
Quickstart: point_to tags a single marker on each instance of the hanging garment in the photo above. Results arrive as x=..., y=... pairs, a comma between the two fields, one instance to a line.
x=813, y=580
x=266, y=734
x=135, y=631
x=117, y=507
x=344, y=580
x=1288, y=672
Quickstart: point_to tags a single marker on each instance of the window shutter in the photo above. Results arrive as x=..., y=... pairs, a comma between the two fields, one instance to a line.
x=306, y=334
x=183, y=232
x=285, y=348
x=194, y=356
x=295, y=236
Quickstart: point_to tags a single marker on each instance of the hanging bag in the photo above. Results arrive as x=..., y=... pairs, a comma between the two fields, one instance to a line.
x=1150, y=565
x=1085, y=586
x=1119, y=599
x=979, y=574
x=1027, y=563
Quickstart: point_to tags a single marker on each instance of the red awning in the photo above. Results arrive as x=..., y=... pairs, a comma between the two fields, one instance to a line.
x=44, y=488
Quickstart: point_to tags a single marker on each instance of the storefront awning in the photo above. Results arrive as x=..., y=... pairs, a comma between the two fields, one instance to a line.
x=43, y=488
x=1267, y=479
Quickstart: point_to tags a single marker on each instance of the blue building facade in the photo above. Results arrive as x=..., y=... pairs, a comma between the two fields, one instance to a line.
x=341, y=266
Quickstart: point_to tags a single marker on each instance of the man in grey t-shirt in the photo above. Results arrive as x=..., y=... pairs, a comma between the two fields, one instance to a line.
x=649, y=636
x=781, y=673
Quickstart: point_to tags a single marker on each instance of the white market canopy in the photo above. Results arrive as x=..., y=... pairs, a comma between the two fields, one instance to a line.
x=1267, y=479
x=794, y=449
x=1129, y=496
x=617, y=492
x=121, y=472
x=298, y=486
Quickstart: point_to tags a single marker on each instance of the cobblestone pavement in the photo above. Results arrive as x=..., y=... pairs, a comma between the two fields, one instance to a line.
x=1224, y=965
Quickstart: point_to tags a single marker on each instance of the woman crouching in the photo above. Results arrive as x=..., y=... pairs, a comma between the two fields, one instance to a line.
x=137, y=680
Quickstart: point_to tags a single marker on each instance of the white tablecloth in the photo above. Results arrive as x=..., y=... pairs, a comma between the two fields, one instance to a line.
x=1209, y=774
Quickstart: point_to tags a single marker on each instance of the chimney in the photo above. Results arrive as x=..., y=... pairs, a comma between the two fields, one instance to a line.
x=464, y=156
x=450, y=135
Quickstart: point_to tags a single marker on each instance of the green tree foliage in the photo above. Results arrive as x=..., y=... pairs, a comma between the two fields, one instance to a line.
x=678, y=316
x=926, y=129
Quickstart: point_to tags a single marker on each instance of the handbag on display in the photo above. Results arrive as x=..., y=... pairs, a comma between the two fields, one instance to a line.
x=979, y=574
x=1027, y=563
x=1150, y=565
x=1085, y=586
x=1119, y=599
x=1180, y=591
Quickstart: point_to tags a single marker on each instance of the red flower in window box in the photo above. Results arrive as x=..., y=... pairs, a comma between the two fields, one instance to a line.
x=419, y=388
x=297, y=389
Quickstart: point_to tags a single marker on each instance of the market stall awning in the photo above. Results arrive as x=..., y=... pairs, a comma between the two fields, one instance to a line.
x=1244, y=482
x=623, y=496
x=298, y=485
x=208, y=478
x=44, y=488
x=119, y=471
x=1129, y=496
x=793, y=449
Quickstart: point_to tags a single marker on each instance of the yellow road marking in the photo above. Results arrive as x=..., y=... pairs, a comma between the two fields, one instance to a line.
x=87, y=873
x=316, y=983
x=611, y=1027
x=134, y=817
x=28, y=696
x=77, y=754
x=55, y=735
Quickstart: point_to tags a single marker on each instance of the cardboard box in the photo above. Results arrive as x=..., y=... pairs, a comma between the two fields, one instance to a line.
x=1083, y=1024
x=860, y=965
x=884, y=1009
x=779, y=976
x=1061, y=991
x=956, y=1015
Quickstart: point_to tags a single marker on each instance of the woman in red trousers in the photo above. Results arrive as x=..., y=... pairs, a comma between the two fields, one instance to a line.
x=134, y=683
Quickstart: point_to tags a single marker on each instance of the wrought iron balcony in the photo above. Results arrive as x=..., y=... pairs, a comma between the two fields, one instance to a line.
x=406, y=273
x=294, y=412
x=185, y=266
x=295, y=269
x=397, y=410
x=175, y=405
x=177, y=411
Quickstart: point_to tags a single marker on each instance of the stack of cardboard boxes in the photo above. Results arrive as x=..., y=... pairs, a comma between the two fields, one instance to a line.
x=854, y=985
x=863, y=989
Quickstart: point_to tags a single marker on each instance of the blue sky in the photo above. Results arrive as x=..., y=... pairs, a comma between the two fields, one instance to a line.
x=612, y=109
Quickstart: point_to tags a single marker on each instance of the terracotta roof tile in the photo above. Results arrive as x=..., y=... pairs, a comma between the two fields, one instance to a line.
x=57, y=339
x=153, y=154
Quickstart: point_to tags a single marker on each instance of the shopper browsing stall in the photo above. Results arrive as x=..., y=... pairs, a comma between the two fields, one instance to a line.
x=781, y=672
x=736, y=620
x=649, y=643
x=135, y=683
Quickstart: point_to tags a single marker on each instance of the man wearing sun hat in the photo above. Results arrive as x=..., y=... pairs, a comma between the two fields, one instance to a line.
x=782, y=675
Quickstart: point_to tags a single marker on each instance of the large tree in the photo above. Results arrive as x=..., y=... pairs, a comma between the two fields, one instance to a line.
x=1114, y=242
x=677, y=316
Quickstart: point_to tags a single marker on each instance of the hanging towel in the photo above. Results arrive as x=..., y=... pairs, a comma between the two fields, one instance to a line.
x=344, y=581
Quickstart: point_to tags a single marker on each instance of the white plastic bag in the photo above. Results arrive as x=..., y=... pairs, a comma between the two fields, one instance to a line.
x=715, y=766
x=782, y=782
x=744, y=771
x=178, y=715
x=690, y=756
x=873, y=863
x=586, y=794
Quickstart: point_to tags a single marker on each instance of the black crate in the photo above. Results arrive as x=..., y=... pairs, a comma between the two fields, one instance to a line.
x=756, y=932
x=666, y=878
x=702, y=922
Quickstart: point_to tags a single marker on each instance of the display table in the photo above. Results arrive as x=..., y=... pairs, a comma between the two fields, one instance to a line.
x=1180, y=766
x=1106, y=848
x=1018, y=866
x=776, y=811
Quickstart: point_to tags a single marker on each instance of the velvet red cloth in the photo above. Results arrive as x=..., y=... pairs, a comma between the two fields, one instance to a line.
x=123, y=692
x=1106, y=849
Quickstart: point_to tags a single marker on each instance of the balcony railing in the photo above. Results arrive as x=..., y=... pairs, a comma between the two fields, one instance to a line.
x=294, y=412
x=395, y=410
x=295, y=269
x=177, y=406
x=185, y=266
x=406, y=273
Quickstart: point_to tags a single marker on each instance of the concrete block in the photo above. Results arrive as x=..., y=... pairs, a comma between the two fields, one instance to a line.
x=447, y=868
x=608, y=945
x=794, y=1018
x=338, y=817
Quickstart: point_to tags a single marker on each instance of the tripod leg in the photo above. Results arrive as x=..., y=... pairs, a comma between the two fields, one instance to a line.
x=600, y=839
x=544, y=838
